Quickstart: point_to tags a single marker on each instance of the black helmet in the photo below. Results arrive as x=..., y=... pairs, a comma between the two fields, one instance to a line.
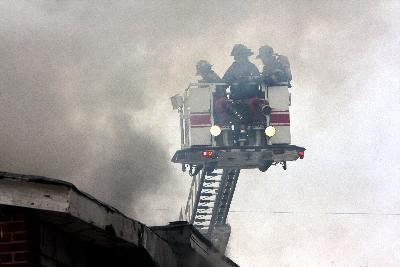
x=203, y=66
x=239, y=49
x=265, y=51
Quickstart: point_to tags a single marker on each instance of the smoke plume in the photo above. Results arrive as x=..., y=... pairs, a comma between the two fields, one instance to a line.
x=84, y=93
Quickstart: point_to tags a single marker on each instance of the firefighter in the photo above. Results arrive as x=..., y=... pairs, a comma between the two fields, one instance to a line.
x=222, y=103
x=243, y=76
x=204, y=69
x=276, y=67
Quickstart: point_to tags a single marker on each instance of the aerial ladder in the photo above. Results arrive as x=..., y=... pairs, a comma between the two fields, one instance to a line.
x=208, y=204
x=216, y=154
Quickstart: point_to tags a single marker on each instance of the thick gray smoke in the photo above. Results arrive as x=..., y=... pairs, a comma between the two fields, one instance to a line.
x=84, y=93
x=77, y=85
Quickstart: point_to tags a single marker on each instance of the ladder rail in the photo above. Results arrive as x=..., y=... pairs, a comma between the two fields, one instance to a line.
x=189, y=202
x=208, y=203
x=226, y=207
x=197, y=196
x=224, y=198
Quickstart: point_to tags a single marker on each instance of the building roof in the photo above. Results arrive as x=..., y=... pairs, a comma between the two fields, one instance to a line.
x=181, y=235
x=62, y=203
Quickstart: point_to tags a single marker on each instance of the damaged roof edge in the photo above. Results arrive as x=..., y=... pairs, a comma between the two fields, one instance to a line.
x=42, y=193
x=203, y=245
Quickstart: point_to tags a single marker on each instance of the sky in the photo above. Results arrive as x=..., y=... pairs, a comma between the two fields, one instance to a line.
x=84, y=97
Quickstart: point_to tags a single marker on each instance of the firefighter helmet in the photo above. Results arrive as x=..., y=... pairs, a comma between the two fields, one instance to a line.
x=239, y=49
x=203, y=66
x=265, y=51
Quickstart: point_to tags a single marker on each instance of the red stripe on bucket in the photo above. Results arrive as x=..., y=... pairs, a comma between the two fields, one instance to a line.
x=200, y=119
x=279, y=118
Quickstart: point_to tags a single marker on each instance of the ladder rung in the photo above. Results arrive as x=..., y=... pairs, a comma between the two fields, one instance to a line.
x=204, y=207
x=201, y=220
x=210, y=187
x=206, y=200
x=206, y=194
x=198, y=225
x=202, y=226
x=212, y=181
x=213, y=174
x=203, y=213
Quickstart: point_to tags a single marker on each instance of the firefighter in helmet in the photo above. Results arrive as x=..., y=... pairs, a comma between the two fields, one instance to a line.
x=204, y=69
x=222, y=103
x=243, y=76
x=276, y=67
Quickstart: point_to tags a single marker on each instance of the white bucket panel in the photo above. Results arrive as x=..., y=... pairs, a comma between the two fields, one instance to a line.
x=197, y=110
x=199, y=99
x=200, y=136
x=278, y=97
x=282, y=135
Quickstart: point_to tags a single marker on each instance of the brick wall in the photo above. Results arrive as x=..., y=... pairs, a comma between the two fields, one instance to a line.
x=26, y=240
x=17, y=235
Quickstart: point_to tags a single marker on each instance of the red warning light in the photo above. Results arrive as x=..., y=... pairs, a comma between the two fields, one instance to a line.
x=208, y=153
x=301, y=154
